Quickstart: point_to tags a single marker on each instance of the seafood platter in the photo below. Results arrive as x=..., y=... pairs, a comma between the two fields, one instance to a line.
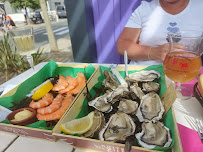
x=40, y=102
x=113, y=116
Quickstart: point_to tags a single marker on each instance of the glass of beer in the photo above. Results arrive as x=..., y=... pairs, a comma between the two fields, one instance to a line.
x=24, y=41
x=183, y=64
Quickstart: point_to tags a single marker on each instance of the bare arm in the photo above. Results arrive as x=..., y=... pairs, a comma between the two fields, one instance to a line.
x=129, y=40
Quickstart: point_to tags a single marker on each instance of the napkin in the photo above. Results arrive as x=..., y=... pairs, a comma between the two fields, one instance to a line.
x=190, y=139
x=8, y=88
x=4, y=112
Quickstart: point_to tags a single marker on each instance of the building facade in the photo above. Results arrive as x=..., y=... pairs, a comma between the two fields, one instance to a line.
x=54, y=3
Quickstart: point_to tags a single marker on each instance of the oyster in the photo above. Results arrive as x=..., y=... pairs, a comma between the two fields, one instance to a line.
x=154, y=134
x=150, y=86
x=145, y=75
x=128, y=106
x=151, y=108
x=116, y=94
x=100, y=103
x=119, y=126
x=99, y=123
x=110, y=81
x=136, y=90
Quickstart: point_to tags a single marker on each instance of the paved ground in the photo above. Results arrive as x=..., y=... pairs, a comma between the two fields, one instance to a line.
x=65, y=51
x=63, y=55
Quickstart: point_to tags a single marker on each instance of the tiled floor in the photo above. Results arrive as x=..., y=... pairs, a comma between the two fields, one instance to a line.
x=6, y=139
x=27, y=144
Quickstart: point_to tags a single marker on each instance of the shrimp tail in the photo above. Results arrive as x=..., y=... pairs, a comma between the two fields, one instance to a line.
x=72, y=84
x=45, y=101
x=61, y=84
x=81, y=83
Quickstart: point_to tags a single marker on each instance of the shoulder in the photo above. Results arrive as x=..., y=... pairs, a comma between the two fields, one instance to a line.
x=196, y=4
x=146, y=6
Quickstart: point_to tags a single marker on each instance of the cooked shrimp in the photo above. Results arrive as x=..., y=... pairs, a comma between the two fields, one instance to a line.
x=45, y=101
x=55, y=105
x=81, y=83
x=58, y=113
x=61, y=84
x=73, y=82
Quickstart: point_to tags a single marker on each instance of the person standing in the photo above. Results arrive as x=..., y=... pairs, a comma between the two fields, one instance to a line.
x=5, y=21
x=25, y=14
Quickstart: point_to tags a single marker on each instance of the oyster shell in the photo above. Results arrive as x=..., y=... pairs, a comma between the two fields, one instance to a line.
x=145, y=75
x=119, y=126
x=110, y=81
x=150, y=86
x=99, y=123
x=135, y=89
x=128, y=106
x=154, y=134
x=151, y=108
x=116, y=94
x=100, y=103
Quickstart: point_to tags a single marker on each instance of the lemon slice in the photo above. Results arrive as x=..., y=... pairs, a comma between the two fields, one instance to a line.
x=78, y=126
x=42, y=89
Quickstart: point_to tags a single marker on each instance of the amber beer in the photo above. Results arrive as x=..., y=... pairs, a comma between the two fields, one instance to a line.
x=182, y=66
x=24, y=43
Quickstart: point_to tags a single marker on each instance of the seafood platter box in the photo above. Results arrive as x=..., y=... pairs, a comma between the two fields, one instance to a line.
x=62, y=85
x=127, y=112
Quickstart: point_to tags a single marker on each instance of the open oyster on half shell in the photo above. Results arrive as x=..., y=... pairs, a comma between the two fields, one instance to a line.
x=100, y=103
x=110, y=82
x=128, y=106
x=145, y=75
x=116, y=94
x=150, y=108
x=150, y=86
x=119, y=126
x=136, y=90
x=154, y=134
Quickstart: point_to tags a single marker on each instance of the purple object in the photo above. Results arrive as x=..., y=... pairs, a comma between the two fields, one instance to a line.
x=110, y=17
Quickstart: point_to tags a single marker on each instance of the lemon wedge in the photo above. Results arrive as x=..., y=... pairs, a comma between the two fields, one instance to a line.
x=78, y=126
x=41, y=90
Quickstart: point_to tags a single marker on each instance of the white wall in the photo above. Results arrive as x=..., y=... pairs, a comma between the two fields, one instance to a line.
x=17, y=17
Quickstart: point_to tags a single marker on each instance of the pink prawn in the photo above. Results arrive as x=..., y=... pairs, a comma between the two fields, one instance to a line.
x=45, y=101
x=55, y=105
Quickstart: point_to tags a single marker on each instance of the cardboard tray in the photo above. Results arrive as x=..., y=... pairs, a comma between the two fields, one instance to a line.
x=35, y=132
x=93, y=144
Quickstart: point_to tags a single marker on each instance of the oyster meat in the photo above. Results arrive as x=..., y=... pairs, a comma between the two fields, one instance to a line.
x=150, y=86
x=99, y=123
x=100, y=103
x=154, y=134
x=119, y=126
x=145, y=75
x=136, y=90
x=114, y=96
x=110, y=82
x=128, y=106
x=151, y=108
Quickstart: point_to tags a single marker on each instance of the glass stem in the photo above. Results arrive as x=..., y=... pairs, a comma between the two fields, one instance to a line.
x=30, y=61
x=178, y=86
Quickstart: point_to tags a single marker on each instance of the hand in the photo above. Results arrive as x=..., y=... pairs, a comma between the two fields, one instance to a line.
x=159, y=53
